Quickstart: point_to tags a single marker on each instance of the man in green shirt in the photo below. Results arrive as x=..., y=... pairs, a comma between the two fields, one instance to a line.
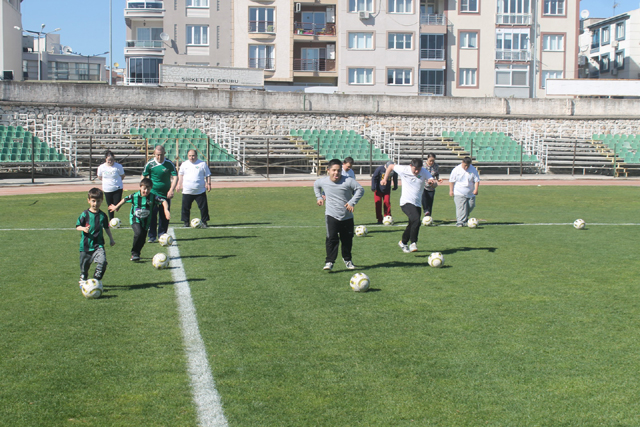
x=162, y=173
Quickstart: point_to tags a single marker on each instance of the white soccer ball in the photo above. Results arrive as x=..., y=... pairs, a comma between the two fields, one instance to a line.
x=359, y=282
x=427, y=220
x=92, y=289
x=196, y=223
x=387, y=220
x=160, y=261
x=579, y=224
x=436, y=259
x=115, y=223
x=472, y=223
x=165, y=240
x=361, y=231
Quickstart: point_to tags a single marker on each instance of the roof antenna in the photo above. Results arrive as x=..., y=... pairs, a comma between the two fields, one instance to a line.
x=614, y=7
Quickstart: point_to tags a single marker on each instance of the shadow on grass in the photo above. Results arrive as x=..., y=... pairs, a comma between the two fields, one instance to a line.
x=392, y=264
x=215, y=237
x=148, y=285
x=464, y=249
x=206, y=256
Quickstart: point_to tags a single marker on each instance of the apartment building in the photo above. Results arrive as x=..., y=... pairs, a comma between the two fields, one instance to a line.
x=11, y=45
x=183, y=32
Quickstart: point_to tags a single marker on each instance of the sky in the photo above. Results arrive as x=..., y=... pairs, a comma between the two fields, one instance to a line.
x=84, y=24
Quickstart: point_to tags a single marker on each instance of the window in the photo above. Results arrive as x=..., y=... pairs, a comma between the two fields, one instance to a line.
x=143, y=70
x=514, y=12
x=360, y=5
x=360, y=76
x=513, y=45
x=605, y=36
x=399, y=76
x=604, y=63
x=620, y=27
x=512, y=75
x=619, y=59
x=146, y=37
x=468, y=76
x=553, y=7
x=468, y=40
x=198, y=35
x=400, y=41
x=261, y=20
x=553, y=42
x=595, y=40
x=262, y=56
x=400, y=6
x=432, y=82
x=550, y=75
x=432, y=47
x=361, y=41
x=469, y=5
x=197, y=3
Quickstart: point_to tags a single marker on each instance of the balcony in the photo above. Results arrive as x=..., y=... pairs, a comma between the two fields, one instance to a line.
x=314, y=65
x=432, y=54
x=433, y=19
x=513, y=19
x=262, y=27
x=311, y=29
x=513, y=55
x=145, y=44
x=141, y=81
x=144, y=9
x=432, y=90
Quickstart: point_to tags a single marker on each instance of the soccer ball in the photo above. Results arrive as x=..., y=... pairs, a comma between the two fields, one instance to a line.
x=427, y=220
x=165, y=240
x=361, y=231
x=359, y=282
x=472, y=223
x=387, y=220
x=436, y=259
x=160, y=261
x=92, y=289
x=196, y=223
x=579, y=224
x=115, y=223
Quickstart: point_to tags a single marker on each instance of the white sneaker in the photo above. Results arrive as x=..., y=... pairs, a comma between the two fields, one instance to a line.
x=328, y=266
x=413, y=247
x=349, y=265
x=404, y=247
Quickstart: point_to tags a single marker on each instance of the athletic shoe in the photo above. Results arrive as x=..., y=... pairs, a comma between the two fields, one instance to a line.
x=135, y=258
x=413, y=247
x=459, y=225
x=349, y=265
x=427, y=214
x=328, y=266
x=203, y=224
x=404, y=247
x=152, y=240
x=379, y=222
x=186, y=224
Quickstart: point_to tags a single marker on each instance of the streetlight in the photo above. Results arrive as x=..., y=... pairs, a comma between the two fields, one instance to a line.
x=40, y=33
x=88, y=66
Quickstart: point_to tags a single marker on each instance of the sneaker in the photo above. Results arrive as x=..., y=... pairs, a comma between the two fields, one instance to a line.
x=135, y=258
x=459, y=225
x=404, y=247
x=349, y=265
x=413, y=247
x=152, y=240
x=328, y=266
x=203, y=224
x=186, y=224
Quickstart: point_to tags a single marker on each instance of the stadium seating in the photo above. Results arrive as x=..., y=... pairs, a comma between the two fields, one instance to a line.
x=493, y=147
x=625, y=147
x=340, y=144
x=15, y=147
x=177, y=142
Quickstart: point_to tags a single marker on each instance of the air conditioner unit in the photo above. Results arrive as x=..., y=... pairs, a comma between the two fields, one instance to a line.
x=614, y=44
x=364, y=15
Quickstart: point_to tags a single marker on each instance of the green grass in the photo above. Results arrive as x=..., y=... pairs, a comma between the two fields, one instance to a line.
x=526, y=325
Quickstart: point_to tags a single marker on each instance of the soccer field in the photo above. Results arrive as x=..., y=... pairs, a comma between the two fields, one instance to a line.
x=529, y=323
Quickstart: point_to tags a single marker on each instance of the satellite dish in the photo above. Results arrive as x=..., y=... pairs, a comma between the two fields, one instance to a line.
x=67, y=50
x=164, y=37
x=584, y=14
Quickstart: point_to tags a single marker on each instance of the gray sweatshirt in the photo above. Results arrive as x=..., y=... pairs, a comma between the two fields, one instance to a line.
x=346, y=190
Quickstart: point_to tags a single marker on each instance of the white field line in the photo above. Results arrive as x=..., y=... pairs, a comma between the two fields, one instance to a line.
x=205, y=395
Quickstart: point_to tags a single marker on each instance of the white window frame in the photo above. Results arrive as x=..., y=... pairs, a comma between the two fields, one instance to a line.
x=510, y=70
x=554, y=8
x=469, y=6
x=621, y=25
x=605, y=59
x=198, y=3
x=263, y=23
x=365, y=72
x=355, y=39
x=402, y=74
x=619, y=59
x=400, y=6
x=396, y=39
x=356, y=6
x=511, y=37
x=553, y=43
x=269, y=55
x=550, y=74
x=605, y=35
x=468, y=77
x=201, y=31
x=468, y=39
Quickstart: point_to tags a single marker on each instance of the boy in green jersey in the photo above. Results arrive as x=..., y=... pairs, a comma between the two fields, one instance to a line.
x=91, y=222
x=142, y=203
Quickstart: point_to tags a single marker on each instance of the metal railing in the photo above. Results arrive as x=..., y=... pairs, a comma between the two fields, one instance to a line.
x=141, y=80
x=435, y=90
x=311, y=29
x=153, y=44
x=513, y=55
x=513, y=19
x=262, y=27
x=264, y=63
x=314, y=64
x=432, y=54
x=145, y=5
x=433, y=19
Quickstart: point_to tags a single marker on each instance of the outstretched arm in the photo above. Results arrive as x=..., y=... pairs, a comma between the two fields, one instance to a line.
x=386, y=174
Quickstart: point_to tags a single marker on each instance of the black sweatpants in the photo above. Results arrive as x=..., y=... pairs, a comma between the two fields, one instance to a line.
x=413, y=228
x=139, y=238
x=427, y=202
x=87, y=258
x=339, y=232
x=113, y=198
x=201, y=201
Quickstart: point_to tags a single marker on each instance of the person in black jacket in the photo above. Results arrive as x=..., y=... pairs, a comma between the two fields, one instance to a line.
x=382, y=193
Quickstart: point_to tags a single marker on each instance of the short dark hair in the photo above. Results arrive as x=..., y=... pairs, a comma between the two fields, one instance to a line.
x=416, y=163
x=429, y=155
x=95, y=193
x=108, y=154
x=466, y=160
x=146, y=182
x=334, y=162
x=348, y=160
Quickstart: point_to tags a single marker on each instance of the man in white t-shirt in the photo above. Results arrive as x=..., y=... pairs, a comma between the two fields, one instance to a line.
x=413, y=179
x=463, y=187
x=194, y=178
x=347, y=166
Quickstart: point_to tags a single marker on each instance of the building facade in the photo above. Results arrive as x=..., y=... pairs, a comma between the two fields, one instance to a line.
x=11, y=46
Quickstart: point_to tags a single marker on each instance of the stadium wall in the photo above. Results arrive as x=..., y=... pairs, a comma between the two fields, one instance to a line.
x=179, y=99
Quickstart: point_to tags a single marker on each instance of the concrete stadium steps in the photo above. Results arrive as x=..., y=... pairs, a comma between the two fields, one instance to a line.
x=284, y=153
x=130, y=153
x=589, y=157
x=447, y=156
